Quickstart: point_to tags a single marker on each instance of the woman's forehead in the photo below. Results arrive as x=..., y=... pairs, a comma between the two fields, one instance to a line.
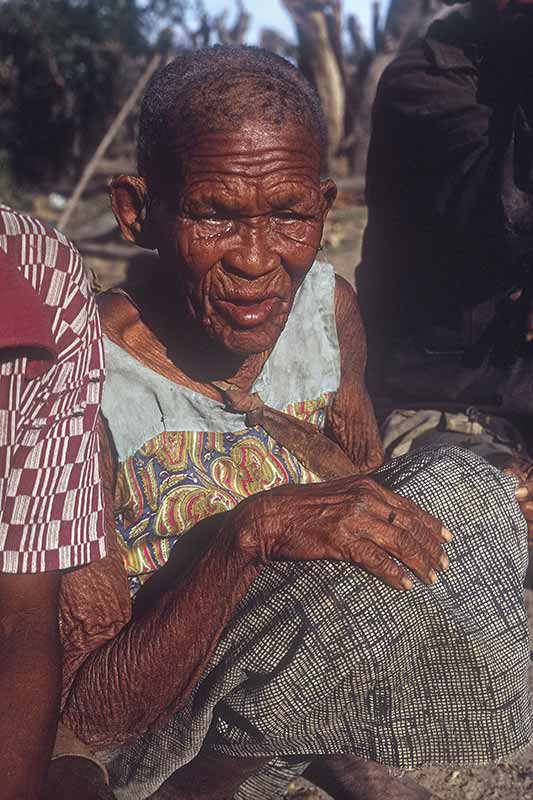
x=255, y=150
x=254, y=136
x=253, y=194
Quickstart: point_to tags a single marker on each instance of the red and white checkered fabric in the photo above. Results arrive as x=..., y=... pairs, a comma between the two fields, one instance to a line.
x=51, y=504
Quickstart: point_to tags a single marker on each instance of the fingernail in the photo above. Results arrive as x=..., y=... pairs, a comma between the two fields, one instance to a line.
x=446, y=534
x=433, y=577
x=407, y=583
x=521, y=493
x=444, y=561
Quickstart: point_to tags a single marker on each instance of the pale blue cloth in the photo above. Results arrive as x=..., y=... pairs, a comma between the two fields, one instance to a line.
x=139, y=404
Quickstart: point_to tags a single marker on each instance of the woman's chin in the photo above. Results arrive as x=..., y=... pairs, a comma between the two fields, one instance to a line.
x=247, y=341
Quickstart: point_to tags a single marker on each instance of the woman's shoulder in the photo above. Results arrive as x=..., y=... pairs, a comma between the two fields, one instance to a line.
x=117, y=313
x=350, y=329
x=345, y=298
x=347, y=313
x=123, y=326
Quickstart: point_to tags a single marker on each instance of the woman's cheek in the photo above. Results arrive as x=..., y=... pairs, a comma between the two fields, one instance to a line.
x=203, y=255
x=299, y=253
x=198, y=254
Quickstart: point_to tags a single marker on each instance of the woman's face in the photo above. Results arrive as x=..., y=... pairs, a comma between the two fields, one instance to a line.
x=244, y=229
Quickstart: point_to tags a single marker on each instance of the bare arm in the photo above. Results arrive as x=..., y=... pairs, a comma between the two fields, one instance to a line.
x=351, y=419
x=124, y=674
x=148, y=670
x=30, y=677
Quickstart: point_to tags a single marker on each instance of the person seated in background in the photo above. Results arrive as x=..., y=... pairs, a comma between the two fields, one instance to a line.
x=446, y=279
x=51, y=503
x=292, y=603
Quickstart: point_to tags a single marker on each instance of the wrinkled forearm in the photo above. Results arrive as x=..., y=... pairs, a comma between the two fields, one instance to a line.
x=353, y=424
x=351, y=419
x=146, y=673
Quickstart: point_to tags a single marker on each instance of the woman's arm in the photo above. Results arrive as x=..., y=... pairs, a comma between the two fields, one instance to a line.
x=145, y=673
x=124, y=674
x=351, y=421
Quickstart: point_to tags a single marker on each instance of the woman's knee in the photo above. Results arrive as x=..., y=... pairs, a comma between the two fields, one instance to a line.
x=455, y=485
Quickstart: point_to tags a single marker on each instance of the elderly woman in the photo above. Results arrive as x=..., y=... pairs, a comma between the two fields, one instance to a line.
x=287, y=607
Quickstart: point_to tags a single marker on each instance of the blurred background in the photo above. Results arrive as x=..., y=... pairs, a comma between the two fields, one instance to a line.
x=72, y=74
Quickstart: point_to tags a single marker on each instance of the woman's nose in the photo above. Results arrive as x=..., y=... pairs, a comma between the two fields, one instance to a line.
x=251, y=254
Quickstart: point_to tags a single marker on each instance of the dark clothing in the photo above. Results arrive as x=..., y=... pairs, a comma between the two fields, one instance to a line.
x=450, y=230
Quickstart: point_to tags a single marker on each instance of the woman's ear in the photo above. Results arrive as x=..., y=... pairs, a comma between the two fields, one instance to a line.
x=129, y=201
x=328, y=189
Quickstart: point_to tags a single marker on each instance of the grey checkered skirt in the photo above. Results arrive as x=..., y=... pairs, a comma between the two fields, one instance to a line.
x=323, y=658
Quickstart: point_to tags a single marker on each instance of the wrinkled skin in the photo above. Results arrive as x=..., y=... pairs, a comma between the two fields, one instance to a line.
x=236, y=239
x=360, y=521
x=246, y=234
x=243, y=232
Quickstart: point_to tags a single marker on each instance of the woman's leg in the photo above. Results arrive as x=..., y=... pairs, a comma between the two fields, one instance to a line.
x=217, y=777
x=321, y=658
x=209, y=777
x=350, y=778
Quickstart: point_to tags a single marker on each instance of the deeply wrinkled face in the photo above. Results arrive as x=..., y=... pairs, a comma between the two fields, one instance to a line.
x=245, y=230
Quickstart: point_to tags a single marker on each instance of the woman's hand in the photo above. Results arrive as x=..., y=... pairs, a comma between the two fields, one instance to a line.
x=523, y=470
x=349, y=519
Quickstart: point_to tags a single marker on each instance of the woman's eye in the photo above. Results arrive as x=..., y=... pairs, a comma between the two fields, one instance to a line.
x=287, y=216
x=211, y=224
x=210, y=216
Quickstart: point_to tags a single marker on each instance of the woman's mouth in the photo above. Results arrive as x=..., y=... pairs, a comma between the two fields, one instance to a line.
x=246, y=313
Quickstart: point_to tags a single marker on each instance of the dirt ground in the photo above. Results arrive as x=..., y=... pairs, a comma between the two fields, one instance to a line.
x=108, y=259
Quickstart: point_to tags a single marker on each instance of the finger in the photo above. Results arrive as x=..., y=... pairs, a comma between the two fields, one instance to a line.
x=376, y=561
x=425, y=537
x=408, y=515
x=410, y=509
x=429, y=544
x=518, y=467
x=424, y=558
x=522, y=492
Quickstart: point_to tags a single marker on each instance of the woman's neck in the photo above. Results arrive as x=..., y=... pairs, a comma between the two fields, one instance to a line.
x=187, y=346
